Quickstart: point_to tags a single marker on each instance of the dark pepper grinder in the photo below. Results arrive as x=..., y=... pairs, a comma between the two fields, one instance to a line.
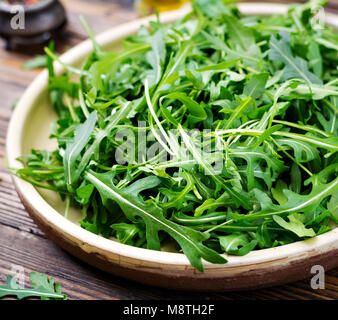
x=26, y=24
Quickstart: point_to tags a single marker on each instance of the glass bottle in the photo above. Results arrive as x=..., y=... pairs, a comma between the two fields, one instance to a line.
x=145, y=7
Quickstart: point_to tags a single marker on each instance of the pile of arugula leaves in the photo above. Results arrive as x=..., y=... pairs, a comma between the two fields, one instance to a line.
x=265, y=91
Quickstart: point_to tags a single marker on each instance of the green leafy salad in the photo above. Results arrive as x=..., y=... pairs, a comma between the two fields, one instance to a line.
x=215, y=134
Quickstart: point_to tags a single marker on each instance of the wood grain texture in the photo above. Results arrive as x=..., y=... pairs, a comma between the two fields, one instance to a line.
x=21, y=241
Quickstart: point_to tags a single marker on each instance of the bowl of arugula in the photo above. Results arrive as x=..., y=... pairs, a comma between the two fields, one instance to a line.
x=196, y=150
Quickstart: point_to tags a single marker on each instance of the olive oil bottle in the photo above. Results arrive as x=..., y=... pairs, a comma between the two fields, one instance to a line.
x=145, y=7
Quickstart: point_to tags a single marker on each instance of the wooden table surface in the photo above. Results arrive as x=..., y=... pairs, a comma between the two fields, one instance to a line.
x=23, y=244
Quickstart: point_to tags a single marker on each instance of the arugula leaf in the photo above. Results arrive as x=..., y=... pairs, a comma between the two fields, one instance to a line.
x=303, y=151
x=333, y=206
x=40, y=280
x=315, y=58
x=239, y=35
x=197, y=112
x=219, y=66
x=75, y=147
x=316, y=91
x=191, y=241
x=296, y=202
x=125, y=232
x=253, y=155
x=157, y=56
x=211, y=8
x=85, y=192
x=295, y=225
x=243, y=106
x=42, y=287
x=295, y=67
x=39, y=61
x=238, y=198
x=237, y=244
x=256, y=86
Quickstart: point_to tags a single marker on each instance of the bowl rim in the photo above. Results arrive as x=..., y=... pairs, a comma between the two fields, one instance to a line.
x=92, y=242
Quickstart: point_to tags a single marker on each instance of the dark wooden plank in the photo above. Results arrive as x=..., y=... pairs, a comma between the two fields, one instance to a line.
x=81, y=281
x=112, y=13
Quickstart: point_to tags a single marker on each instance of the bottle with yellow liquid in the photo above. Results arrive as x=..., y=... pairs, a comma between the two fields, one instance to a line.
x=145, y=7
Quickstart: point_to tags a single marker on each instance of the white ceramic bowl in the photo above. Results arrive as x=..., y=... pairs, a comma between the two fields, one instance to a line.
x=29, y=128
